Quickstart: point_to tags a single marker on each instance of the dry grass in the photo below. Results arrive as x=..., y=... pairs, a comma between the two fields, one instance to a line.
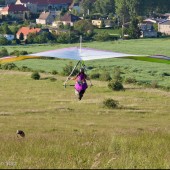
x=62, y=132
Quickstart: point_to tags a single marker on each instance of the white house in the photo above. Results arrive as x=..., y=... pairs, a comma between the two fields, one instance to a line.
x=9, y=37
x=164, y=27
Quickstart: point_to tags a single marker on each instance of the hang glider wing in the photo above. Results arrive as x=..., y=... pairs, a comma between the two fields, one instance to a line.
x=64, y=53
x=75, y=53
x=91, y=54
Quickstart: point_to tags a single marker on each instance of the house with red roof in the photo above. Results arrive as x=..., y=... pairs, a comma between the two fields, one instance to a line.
x=26, y=31
x=16, y=11
x=41, y=5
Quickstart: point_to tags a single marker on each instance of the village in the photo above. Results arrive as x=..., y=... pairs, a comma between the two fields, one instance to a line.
x=54, y=18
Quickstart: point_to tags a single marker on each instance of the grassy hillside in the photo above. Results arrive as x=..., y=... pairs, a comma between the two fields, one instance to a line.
x=62, y=132
x=144, y=72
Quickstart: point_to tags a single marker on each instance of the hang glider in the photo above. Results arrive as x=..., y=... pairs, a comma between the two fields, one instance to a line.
x=81, y=54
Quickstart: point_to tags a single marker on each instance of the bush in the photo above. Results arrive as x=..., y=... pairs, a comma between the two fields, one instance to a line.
x=110, y=103
x=95, y=76
x=23, y=52
x=52, y=79
x=3, y=52
x=130, y=80
x=35, y=76
x=68, y=69
x=154, y=84
x=117, y=74
x=25, y=68
x=18, y=53
x=54, y=72
x=165, y=74
x=102, y=37
x=9, y=66
x=105, y=76
x=115, y=85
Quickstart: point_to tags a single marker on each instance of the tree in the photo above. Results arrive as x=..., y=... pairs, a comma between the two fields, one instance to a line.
x=5, y=29
x=2, y=2
x=105, y=6
x=63, y=38
x=83, y=27
x=21, y=36
x=30, y=38
x=14, y=29
x=122, y=11
x=134, y=31
x=86, y=6
x=3, y=41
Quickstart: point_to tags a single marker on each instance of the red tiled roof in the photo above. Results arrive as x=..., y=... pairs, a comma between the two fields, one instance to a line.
x=47, y=1
x=27, y=30
x=14, y=7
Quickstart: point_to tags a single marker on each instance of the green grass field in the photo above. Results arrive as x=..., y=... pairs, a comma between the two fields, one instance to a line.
x=62, y=132
x=143, y=71
x=139, y=46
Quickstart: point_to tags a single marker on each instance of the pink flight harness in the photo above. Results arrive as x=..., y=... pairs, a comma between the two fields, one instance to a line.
x=81, y=83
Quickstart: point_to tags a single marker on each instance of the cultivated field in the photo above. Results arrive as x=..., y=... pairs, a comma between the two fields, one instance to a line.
x=62, y=132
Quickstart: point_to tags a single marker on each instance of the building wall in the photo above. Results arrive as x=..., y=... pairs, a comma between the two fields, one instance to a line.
x=41, y=21
x=19, y=15
x=4, y=12
x=96, y=23
x=164, y=29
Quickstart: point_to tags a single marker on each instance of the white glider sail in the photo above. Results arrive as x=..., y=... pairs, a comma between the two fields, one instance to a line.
x=75, y=53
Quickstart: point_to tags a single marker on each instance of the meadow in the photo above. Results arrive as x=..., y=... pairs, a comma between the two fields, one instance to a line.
x=62, y=132
x=138, y=46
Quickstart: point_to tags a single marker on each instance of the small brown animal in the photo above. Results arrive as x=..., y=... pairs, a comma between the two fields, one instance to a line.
x=20, y=133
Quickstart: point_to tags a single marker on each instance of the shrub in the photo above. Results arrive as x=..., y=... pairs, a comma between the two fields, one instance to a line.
x=52, y=79
x=154, y=84
x=105, y=76
x=102, y=37
x=3, y=52
x=110, y=103
x=165, y=74
x=35, y=76
x=9, y=66
x=117, y=74
x=54, y=72
x=115, y=85
x=25, y=68
x=68, y=69
x=23, y=52
x=95, y=76
x=130, y=80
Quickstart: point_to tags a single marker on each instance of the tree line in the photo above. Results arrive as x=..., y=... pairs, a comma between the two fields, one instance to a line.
x=125, y=9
